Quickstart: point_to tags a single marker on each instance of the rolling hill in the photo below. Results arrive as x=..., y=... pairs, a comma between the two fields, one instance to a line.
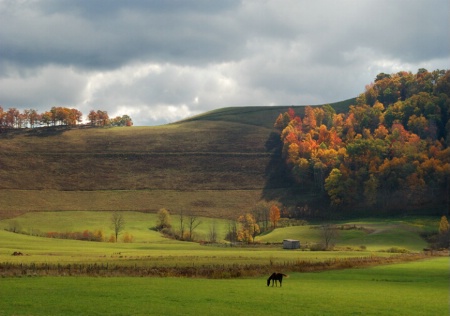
x=218, y=163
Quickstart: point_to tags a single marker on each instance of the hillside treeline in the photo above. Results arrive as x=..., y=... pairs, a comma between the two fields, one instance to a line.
x=389, y=152
x=57, y=116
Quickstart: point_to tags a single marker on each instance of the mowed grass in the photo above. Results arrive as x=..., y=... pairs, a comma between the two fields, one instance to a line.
x=417, y=288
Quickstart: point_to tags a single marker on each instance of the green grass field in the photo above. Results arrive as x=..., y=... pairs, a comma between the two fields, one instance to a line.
x=418, y=288
x=375, y=235
x=415, y=288
x=150, y=248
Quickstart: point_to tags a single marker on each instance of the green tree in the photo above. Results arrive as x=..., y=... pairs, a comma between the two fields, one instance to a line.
x=371, y=190
x=333, y=185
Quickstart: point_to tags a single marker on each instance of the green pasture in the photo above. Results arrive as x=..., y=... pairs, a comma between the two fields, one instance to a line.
x=417, y=288
x=150, y=248
x=374, y=235
x=164, y=252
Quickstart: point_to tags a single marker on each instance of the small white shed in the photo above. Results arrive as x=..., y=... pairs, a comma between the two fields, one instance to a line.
x=291, y=244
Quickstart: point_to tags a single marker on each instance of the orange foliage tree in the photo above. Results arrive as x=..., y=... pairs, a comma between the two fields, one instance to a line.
x=274, y=215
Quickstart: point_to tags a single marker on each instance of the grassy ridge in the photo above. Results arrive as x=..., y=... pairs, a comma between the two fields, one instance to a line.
x=234, y=152
x=260, y=116
x=418, y=288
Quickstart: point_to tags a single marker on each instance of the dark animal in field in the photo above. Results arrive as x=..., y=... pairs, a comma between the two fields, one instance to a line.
x=276, y=277
x=16, y=253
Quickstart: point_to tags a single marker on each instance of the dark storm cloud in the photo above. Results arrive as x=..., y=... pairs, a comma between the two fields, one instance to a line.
x=108, y=34
x=163, y=60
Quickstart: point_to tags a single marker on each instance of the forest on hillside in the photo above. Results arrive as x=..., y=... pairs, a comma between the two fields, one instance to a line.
x=389, y=153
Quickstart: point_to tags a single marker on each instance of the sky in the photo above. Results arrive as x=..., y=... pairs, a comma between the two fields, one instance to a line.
x=160, y=61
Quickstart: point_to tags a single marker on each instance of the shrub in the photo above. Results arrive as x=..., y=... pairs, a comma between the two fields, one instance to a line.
x=112, y=238
x=317, y=247
x=127, y=238
x=397, y=250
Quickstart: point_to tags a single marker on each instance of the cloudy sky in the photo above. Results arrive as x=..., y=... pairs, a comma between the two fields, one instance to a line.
x=160, y=61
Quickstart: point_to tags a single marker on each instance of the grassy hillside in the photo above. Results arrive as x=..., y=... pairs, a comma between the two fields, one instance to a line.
x=260, y=116
x=218, y=163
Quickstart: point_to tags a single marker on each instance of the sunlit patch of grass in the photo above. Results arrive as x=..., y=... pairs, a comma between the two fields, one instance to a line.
x=373, y=235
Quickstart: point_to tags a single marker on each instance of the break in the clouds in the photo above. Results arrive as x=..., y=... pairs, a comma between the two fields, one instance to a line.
x=161, y=61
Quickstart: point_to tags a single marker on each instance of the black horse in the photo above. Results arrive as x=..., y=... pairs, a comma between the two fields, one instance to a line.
x=276, y=277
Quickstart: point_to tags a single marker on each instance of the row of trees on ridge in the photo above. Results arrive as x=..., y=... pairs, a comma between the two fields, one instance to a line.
x=57, y=116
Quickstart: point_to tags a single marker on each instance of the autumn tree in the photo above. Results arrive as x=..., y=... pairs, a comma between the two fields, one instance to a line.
x=164, y=221
x=391, y=146
x=117, y=224
x=443, y=225
x=274, y=215
x=102, y=118
x=93, y=117
x=248, y=228
x=127, y=238
x=123, y=120
x=444, y=233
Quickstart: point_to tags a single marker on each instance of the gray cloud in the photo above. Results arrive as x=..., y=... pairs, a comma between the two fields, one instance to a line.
x=165, y=60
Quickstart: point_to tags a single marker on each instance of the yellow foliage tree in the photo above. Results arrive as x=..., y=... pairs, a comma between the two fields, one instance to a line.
x=249, y=228
x=443, y=225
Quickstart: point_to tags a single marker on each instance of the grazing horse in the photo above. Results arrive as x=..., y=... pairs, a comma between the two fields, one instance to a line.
x=276, y=277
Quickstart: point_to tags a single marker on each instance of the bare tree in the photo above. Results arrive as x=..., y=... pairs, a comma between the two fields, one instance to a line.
x=182, y=225
x=329, y=235
x=117, y=223
x=14, y=227
x=232, y=233
x=212, y=234
x=193, y=222
x=261, y=213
